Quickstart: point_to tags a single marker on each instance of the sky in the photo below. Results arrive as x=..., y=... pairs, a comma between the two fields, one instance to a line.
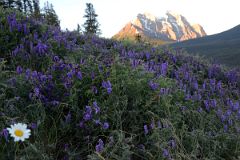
x=214, y=15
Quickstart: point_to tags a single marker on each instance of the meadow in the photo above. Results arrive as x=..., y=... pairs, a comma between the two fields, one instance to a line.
x=85, y=97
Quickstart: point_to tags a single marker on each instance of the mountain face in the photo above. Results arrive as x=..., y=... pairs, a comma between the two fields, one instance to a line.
x=172, y=27
x=223, y=47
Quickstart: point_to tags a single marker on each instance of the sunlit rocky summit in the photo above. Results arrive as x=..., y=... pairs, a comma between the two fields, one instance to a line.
x=171, y=27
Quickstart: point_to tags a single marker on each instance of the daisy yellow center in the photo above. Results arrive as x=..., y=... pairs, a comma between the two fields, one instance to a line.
x=18, y=133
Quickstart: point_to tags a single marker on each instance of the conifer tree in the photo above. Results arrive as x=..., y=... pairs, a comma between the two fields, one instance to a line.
x=78, y=28
x=10, y=3
x=27, y=6
x=19, y=5
x=50, y=15
x=36, y=8
x=7, y=3
x=138, y=37
x=91, y=25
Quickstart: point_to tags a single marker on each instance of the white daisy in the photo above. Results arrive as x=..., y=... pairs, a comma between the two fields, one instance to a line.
x=19, y=132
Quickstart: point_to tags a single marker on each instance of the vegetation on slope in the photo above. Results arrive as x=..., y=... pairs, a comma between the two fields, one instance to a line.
x=222, y=47
x=89, y=98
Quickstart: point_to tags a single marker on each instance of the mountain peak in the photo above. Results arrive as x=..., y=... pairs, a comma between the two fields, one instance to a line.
x=173, y=27
x=175, y=14
x=149, y=16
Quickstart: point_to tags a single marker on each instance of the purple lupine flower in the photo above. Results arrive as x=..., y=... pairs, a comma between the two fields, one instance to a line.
x=56, y=59
x=230, y=122
x=81, y=124
x=88, y=113
x=88, y=109
x=145, y=127
x=164, y=68
x=35, y=36
x=214, y=103
x=55, y=103
x=228, y=113
x=212, y=84
x=153, y=85
x=219, y=85
x=94, y=89
x=225, y=128
x=162, y=91
x=82, y=61
x=165, y=153
x=166, y=125
x=66, y=146
x=159, y=124
x=92, y=75
x=15, y=51
x=195, y=84
x=100, y=146
x=34, y=74
x=147, y=56
x=152, y=125
x=238, y=114
x=41, y=48
x=17, y=98
x=188, y=96
x=5, y=134
x=206, y=105
x=36, y=92
x=19, y=70
x=172, y=143
x=235, y=106
x=97, y=122
x=109, y=90
x=105, y=125
x=68, y=118
x=96, y=107
x=100, y=68
x=28, y=74
x=107, y=85
x=25, y=29
x=19, y=27
x=186, y=75
x=204, y=85
x=70, y=74
x=111, y=139
x=79, y=75
x=200, y=109
x=223, y=118
x=33, y=125
x=183, y=108
x=43, y=78
x=87, y=116
x=237, y=129
x=134, y=63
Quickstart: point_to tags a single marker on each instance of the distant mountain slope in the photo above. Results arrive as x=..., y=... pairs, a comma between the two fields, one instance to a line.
x=223, y=47
x=172, y=27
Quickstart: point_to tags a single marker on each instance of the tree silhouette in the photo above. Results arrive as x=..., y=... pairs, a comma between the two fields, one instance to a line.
x=50, y=15
x=36, y=8
x=91, y=25
x=138, y=37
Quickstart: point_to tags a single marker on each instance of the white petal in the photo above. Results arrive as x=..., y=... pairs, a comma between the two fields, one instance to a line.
x=16, y=139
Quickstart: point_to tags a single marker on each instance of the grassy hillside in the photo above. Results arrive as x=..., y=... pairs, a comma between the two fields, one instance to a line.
x=223, y=47
x=84, y=97
x=131, y=38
